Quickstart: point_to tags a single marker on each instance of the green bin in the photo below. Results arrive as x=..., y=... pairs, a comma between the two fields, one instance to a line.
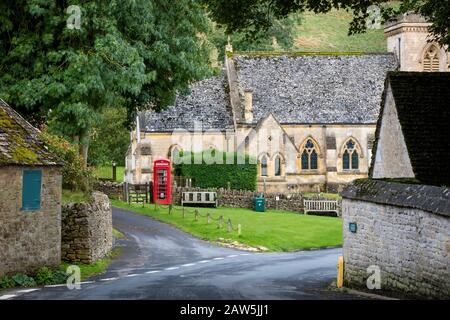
x=260, y=205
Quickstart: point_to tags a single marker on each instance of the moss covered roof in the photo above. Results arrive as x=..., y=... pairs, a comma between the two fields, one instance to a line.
x=422, y=100
x=19, y=141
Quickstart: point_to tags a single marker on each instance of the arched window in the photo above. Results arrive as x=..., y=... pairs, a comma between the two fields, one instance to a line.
x=309, y=156
x=350, y=157
x=174, y=154
x=278, y=166
x=431, y=59
x=264, y=166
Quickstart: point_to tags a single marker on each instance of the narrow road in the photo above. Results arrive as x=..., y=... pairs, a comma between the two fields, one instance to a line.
x=161, y=262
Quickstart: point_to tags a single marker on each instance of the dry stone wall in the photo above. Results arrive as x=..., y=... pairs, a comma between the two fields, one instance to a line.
x=87, y=230
x=404, y=230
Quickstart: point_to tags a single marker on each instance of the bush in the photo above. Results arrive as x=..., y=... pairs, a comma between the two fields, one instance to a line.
x=75, y=176
x=239, y=176
x=60, y=276
x=44, y=276
x=6, y=283
x=22, y=280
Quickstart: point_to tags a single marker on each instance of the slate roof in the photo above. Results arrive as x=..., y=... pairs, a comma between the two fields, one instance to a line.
x=422, y=100
x=429, y=198
x=340, y=88
x=208, y=102
x=19, y=141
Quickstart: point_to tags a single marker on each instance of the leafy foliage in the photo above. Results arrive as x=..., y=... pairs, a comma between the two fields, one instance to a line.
x=75, y=175
x=250, y=15
x=109, y=138
x=22, y=280
x=126, y=54
x=216, y=175
x=6, y=282
x=44, y=276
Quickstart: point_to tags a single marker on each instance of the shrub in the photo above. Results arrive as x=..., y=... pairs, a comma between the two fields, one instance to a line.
x=60, y=276
x=75, y=176
x=6, y=283
x=238, y=176
x=44, y=276
x=22, y=280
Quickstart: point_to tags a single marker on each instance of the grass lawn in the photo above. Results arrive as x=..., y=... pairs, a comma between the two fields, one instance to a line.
x=69, y=196
x=106, y=172
x=329, y=32
x=275, y=230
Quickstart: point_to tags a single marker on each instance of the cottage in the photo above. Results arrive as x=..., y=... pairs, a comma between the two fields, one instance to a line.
x=399, y=220
x=30, y=197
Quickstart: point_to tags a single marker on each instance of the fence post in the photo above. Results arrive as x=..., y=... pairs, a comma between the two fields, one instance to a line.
x=209, y=218
x=229, y=225
x=220, y=222
x=183, y=212
x=239, y=229
x=170, y=209
x=196, y=215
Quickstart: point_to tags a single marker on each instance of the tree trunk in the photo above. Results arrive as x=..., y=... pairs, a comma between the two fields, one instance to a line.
x=83, y=147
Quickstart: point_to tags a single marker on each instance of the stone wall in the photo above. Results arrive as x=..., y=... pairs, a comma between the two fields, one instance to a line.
x=110, y=188
x=404, y=230
x=87, y=230
x=245, y=199
x=29, y=239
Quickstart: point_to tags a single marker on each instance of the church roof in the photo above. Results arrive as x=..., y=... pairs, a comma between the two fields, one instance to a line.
x=315, y=88
x=19, y=141
x=422, y=100
x=207, y=103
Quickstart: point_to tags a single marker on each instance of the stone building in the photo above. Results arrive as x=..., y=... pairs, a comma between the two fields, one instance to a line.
x=399, y=221
x=30, y=197
x=308, y=119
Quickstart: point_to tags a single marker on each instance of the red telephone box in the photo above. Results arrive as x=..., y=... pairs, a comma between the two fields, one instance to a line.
x=161, y=182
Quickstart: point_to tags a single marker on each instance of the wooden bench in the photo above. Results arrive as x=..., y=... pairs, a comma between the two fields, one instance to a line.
x=320, y=205
x=199, y=197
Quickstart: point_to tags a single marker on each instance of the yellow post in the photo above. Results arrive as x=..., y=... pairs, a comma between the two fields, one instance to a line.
x=340, y=273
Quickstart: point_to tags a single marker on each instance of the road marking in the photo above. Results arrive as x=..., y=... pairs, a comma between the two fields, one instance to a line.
x=244, y=254
x=55, y=285
x=109, y=279
x=153, y=271
x=204, y=261
x=218, y=258
x=188, y=265
x=232, y=255
x=7, y=296
x=87, y=282
x=172, y=268
x=27, y=290
x=131, y=275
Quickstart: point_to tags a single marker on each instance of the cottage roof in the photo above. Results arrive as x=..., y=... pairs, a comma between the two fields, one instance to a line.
x=208, y=103
x=422, y=101
x=19, y=141
x=315, y=88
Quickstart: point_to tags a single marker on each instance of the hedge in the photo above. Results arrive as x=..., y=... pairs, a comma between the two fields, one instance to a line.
x=239, y=176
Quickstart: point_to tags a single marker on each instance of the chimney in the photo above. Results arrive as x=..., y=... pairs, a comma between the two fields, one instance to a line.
x=248, y=108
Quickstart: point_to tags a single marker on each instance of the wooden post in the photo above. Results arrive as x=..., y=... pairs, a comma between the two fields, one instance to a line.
x=114, y=171
x=220, y=222
x=209, y=218
x=183, y=212
x=170, y=209
x=229, y=225
x=239, y=229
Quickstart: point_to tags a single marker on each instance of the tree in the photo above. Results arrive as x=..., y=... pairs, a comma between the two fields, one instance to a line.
x=127, y=54
x=250, y=15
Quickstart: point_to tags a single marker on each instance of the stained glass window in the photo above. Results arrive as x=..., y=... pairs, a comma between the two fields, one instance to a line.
x=350, y=157
x=309, y=156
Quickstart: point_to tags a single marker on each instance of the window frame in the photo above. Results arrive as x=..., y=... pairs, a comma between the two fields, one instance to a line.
x=309, y=151
x=264, y=166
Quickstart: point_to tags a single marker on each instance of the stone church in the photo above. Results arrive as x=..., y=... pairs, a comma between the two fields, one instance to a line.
x=308, y=119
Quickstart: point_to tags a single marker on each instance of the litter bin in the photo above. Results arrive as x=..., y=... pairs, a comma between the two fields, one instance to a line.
x=260, y=204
